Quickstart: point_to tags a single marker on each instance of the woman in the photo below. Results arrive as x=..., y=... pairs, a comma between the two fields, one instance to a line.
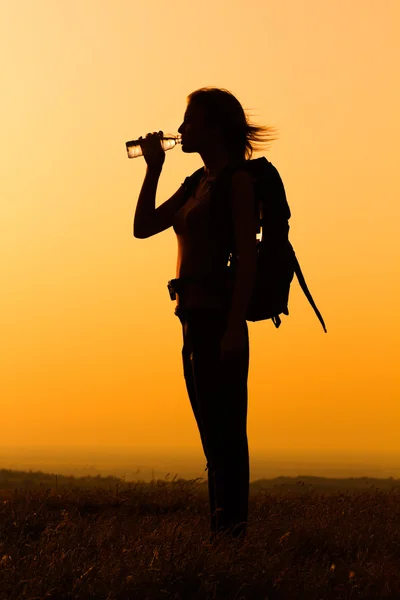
x=215, y=349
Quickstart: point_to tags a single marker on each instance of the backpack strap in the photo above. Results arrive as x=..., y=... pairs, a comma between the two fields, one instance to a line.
x=191, y=182
x=276, y=320
x=221, y=211
x=305, y=289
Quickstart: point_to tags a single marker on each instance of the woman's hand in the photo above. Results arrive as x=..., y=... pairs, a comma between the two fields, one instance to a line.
x=153, y=152
x=233, y=342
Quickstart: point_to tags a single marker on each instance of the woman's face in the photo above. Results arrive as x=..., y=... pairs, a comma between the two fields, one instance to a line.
x=196, y=135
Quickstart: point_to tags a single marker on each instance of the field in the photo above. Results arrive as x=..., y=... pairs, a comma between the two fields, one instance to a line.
x=113, y=540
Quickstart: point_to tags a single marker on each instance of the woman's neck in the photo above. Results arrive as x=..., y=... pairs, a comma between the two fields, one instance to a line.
x=215, y=159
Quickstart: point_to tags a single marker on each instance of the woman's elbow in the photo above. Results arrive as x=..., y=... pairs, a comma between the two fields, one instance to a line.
x=139, y=233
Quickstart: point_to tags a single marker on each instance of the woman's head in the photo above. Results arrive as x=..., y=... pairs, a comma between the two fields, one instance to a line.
x=215, y=115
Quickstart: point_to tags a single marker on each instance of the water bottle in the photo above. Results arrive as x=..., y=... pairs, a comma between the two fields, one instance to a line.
x=168, y=141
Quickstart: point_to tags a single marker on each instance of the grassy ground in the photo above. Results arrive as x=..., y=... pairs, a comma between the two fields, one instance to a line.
x=152, y=542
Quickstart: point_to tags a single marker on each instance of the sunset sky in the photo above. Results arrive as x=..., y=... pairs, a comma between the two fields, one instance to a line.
x=90, y=348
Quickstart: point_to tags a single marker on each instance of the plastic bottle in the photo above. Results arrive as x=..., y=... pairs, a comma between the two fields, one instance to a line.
x=168, y=141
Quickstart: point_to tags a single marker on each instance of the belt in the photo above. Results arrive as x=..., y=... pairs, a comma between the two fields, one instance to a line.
x=176, y=286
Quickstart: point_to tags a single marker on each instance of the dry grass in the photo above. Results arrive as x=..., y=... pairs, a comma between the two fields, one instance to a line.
x=151, y=542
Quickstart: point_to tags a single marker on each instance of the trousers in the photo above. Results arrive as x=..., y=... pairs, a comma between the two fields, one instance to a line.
x=217, y=391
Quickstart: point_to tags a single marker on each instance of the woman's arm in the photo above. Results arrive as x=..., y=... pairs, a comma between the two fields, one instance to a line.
x=146, y=205
x=245, y=229
x=150, y=220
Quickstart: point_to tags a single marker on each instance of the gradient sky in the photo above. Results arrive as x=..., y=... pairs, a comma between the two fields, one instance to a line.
x=90, y=348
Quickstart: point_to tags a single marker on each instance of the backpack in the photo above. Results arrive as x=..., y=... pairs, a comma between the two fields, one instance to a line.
x=276, y=259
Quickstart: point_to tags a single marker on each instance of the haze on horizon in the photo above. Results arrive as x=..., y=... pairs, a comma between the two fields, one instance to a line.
x=90, y=349
x=148, y=464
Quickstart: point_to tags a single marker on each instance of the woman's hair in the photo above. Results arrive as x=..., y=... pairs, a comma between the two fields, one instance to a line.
x=223, y=111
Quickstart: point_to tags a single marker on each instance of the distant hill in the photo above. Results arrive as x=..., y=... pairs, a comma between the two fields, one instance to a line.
x=325, y=484
x=11, y=479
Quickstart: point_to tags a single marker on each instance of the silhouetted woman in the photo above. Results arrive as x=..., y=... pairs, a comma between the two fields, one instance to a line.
x=215, y=349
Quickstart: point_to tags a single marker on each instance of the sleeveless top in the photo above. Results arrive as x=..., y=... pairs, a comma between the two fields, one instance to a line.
x=200, y=250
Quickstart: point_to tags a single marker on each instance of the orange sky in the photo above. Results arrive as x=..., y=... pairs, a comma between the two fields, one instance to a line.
x=90, y=348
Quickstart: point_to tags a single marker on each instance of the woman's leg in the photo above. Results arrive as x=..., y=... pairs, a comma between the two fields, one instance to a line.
x=218, y=394
x=187, y=350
